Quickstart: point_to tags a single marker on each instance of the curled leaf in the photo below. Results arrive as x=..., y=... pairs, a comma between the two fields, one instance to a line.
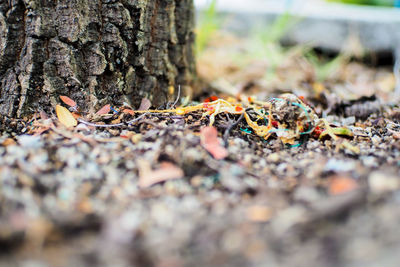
x=68, y=101
x=65, y=116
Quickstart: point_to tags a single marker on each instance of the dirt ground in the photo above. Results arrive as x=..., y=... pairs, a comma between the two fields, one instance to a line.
x=155, y=192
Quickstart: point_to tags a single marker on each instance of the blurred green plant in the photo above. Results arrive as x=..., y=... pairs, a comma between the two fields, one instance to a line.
x=265, y=43
x=207, y=26
x=367, y=2
x=325, y=68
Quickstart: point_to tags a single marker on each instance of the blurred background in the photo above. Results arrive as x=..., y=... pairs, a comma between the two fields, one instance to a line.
x=264, y=47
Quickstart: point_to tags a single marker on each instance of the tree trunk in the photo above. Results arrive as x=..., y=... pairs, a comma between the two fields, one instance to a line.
x=94, y=51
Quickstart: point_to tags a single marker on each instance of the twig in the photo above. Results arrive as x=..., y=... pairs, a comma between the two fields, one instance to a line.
x=230, y=127
x=101, y=125
x=137, y=119
x=178, y=96
x=113, y=125
x=171, y=117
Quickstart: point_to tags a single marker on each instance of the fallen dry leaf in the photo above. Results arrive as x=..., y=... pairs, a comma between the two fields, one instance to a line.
x=145, y=104
x=8, y=142
x=76, y=115
x=128, y=111
x=104, y=110
x=65, y=116
x=341, y=184
x=148, y=177
x=209, y=140
x=68, y=101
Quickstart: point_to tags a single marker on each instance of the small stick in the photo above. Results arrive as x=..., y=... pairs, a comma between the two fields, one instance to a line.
x=101, y=125
x=178, y=96
x=137, y=119
x=230, y=127
x=112, y=125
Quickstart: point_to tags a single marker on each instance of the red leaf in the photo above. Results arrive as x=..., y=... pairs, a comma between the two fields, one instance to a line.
x=145, y=104
x=238, y=109
x=104, y=110
x=209, y=140
x=210, y=99
x=68, y=101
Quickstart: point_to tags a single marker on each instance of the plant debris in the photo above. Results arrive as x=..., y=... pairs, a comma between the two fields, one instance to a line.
x=65, y=117
x=209, y=140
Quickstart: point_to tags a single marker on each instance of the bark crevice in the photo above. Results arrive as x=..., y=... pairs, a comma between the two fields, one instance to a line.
x=95, y=52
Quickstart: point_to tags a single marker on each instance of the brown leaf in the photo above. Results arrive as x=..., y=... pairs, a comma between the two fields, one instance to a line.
x=65, y=116
x=148, y=177
x=104, y=110
x=145, y=104
x=209, y=140
x=68, y=101
x=8, y=142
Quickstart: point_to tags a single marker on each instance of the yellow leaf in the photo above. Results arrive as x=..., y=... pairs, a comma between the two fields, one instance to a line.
x=65, y=116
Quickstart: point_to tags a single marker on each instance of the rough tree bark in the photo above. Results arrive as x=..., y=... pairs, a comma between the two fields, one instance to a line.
x=94, y=51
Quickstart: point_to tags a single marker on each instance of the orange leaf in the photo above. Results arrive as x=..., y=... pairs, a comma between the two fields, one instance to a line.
x=167, y=171
x=340, y=185
x=65, y=116
x=209, y=140
x=68, y=101
x=128, y=111
x=76, y=115
x=104, y=110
